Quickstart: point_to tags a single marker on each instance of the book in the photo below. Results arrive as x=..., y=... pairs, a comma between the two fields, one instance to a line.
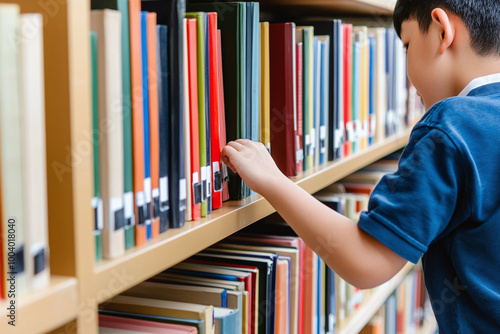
x=226, y=321
x=143, y=326
x=163, y=308
x=154, y=120
x=11, y=150
x=137, y=120
x=200, y=19
x=164, y=138
x=316, y=100
x=107, y=24
x=128, y=197
x=324, y=130
x=180, y=293
x=96, y=201
x=304, y=35
x=33, y=129
x=222, y=118
x=282, y=115
x=198, y=324
x=347, y=80
x=194, y=149
x=215, y=116
x=187, y=126
x=146, y=124
x=265, y=102
x=298, y=103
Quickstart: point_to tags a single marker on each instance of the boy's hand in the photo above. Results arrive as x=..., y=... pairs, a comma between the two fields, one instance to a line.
x=253, y=163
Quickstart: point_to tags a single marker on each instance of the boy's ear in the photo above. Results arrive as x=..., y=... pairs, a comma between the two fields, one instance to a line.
x=441, y=18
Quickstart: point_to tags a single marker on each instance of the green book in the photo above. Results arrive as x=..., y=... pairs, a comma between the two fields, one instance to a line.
x=201, y=22
x=128, y=197
x=306, y=35
x=96, y=200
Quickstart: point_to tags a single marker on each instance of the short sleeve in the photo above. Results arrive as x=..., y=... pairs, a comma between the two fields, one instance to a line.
x=410, y=208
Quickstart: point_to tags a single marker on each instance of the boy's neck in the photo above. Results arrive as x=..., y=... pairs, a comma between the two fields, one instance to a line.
x=472, y=66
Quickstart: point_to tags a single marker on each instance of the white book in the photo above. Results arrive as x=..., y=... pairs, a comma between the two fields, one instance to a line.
x=107, y=24
x=33, y=108
x=380, y=83
x=13, y=218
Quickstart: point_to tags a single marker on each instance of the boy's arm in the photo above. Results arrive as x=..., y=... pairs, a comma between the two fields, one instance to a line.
x=352, y=253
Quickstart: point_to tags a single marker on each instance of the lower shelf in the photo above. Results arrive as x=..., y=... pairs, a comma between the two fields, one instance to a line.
x=367, y=310
x=45, y=310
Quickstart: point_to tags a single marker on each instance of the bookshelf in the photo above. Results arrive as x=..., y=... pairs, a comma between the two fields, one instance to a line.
x=70, y=303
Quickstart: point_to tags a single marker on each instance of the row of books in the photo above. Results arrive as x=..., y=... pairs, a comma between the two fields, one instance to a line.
x=24, y=262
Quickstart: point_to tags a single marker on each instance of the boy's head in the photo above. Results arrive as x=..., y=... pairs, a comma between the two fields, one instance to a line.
x=448, y=43
x=481, y=17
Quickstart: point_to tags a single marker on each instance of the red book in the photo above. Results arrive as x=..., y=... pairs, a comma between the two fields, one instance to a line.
x=137, y=120
x=300, y=150
x=348, y=125
x=222, y=116
x=214, y=111
x=154, y=124
x=281, y=64
x=193, y=118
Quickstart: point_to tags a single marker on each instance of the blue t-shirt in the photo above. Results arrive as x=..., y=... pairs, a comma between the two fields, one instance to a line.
x=443, y=203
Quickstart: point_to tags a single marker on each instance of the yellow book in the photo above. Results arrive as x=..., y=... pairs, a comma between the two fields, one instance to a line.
x=163, y=308
x=265, y=90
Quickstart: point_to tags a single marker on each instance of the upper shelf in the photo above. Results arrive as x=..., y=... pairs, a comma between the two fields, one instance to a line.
x=365, y=7
x=140, y=263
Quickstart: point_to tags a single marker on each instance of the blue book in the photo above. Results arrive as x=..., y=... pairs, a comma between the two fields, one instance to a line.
x=324, y=98
x=315, y=125
x=145, y=106
x=255, y=31
x=371, y=90
x=227, y=320
x=254, y=74
x=162, y=64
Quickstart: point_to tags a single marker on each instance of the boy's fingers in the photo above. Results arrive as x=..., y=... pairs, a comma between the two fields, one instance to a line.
x=236, y=145
x=225, y=153
x=228, y=163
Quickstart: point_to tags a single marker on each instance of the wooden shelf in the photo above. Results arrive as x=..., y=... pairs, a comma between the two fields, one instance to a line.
x=140, y=263
x=367, y=310
x=45, y=310
x=366, y=7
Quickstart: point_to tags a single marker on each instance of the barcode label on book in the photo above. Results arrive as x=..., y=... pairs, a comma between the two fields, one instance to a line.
x=182, y=189
x=164, y=189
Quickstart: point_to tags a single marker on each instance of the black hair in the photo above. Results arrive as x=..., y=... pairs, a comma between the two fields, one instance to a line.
x=481, y=17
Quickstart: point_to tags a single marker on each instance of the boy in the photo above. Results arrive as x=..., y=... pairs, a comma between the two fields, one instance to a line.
x=443, y=203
